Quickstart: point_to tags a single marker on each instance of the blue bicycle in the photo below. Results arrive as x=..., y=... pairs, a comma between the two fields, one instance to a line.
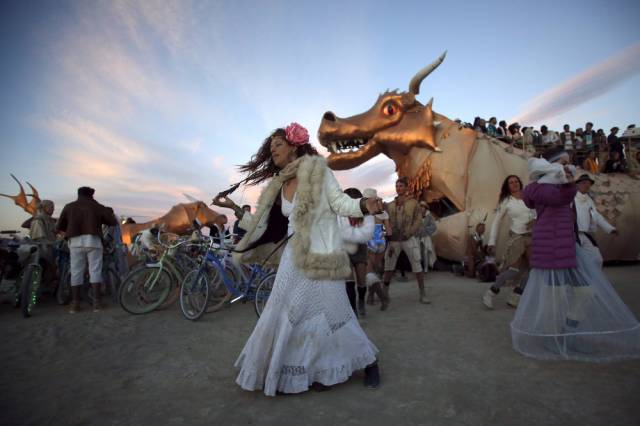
x=217, y=280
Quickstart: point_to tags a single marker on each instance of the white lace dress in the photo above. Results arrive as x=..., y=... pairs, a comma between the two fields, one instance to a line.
x=307, y=333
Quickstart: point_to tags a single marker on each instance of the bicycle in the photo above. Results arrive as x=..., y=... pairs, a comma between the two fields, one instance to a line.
x=209, y=287
x=147, y=287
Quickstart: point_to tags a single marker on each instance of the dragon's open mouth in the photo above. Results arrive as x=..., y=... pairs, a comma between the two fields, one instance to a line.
x=346, y=145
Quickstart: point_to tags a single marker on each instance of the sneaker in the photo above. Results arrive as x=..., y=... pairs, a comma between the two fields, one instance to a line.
x=513, y=300
x=487, y=299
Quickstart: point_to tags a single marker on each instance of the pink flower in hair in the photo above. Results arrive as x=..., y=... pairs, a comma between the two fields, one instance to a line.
x=296, y=134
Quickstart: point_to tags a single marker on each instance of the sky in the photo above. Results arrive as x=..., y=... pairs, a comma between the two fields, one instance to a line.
x=148, y=100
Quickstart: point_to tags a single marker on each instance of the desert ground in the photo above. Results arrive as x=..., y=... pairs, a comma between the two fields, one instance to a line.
x=448, y=363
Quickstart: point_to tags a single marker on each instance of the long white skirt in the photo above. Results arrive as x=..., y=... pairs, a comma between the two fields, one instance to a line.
x=307, y=333
x=574, y=314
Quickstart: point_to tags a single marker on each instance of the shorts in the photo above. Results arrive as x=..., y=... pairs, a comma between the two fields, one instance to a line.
x=360, y=256
x=79, y=258
x=516, y=249
x=411, y=249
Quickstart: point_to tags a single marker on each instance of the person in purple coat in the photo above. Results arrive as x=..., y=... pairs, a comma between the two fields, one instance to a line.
x=569, y=309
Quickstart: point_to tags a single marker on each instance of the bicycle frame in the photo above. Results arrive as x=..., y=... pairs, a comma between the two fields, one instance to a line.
x=246, y=283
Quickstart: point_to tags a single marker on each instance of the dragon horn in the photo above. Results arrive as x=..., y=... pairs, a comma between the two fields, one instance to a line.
x=35, y=200
x=20, y=199
x=414, y=85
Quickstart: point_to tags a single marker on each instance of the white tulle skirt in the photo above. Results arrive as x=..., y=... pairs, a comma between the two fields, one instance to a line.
x=574, y=314
x=307, y=333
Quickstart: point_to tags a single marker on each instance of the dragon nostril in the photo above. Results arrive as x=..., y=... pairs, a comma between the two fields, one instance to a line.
x=329, y=116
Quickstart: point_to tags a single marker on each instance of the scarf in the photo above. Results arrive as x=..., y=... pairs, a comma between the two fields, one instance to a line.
x=290, y=170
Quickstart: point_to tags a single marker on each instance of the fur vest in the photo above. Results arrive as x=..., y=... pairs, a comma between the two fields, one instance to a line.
x=317, y=241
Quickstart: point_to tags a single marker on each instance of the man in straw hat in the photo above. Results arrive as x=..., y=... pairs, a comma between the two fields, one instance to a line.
x=589, y=219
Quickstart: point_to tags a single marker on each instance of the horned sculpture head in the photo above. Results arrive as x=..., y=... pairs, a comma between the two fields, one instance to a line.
x=394, y=124
x=20, y=200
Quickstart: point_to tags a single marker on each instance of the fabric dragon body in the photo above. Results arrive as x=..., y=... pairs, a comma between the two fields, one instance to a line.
x=447, y=163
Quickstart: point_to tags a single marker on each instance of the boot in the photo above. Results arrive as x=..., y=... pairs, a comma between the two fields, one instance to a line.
x=75, y=300
x=372, y=376
x=361, y=305
x=423, y=294
x=97, y=298
x=383, y=293
x=351, y=294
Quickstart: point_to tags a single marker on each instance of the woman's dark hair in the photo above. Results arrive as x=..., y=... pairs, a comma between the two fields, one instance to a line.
x=261, y=166
x=504, y=190
x=353, y=193
x=502, y=123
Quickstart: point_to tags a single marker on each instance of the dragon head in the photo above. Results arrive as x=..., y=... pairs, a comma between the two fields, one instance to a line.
x=394, y=125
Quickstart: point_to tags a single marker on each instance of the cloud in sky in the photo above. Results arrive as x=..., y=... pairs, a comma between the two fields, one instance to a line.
x=150, y=99
x=583, y=87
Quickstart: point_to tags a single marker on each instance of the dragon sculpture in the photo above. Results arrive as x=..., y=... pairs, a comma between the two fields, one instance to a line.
x=178, y=220
x=447, y=164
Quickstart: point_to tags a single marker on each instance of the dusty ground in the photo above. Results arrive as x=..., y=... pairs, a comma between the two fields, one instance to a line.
x=450, y=363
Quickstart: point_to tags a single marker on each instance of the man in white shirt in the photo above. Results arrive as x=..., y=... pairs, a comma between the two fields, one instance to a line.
x=589, y=219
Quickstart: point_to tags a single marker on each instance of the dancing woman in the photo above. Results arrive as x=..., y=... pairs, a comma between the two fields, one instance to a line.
x=308, y=335
x=570, y=310
x=515, y=262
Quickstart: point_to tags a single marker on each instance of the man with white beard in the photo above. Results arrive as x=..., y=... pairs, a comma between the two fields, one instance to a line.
x=589, y=219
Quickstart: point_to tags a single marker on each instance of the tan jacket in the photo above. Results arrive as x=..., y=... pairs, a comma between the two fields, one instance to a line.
x=405, y=221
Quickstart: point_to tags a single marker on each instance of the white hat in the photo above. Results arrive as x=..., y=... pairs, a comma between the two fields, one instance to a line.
x=370, y=193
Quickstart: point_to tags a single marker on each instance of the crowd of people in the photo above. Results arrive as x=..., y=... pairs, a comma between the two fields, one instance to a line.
x=591, y=149
x=332, y=247
x=343, y=242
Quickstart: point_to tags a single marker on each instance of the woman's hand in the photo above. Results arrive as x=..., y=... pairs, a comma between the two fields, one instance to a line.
x=223, y=202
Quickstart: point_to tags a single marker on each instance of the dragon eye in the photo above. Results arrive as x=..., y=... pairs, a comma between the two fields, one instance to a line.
x=390, y=109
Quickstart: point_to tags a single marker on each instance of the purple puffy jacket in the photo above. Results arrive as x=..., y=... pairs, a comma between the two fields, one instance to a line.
x=553, y=243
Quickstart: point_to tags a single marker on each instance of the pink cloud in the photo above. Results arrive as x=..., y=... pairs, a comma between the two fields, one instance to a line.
x=589, y=84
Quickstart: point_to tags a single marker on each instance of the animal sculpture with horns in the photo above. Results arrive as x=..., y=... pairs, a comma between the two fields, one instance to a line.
x=178, y=220
x=446, y=163
x=20, y=200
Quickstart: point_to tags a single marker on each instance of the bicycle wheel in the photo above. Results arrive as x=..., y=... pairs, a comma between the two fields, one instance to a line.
x=263, y=292
x=194, y=295
x=63, y=292
x=30, y=286
x=144, y=290
x=219, y=294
